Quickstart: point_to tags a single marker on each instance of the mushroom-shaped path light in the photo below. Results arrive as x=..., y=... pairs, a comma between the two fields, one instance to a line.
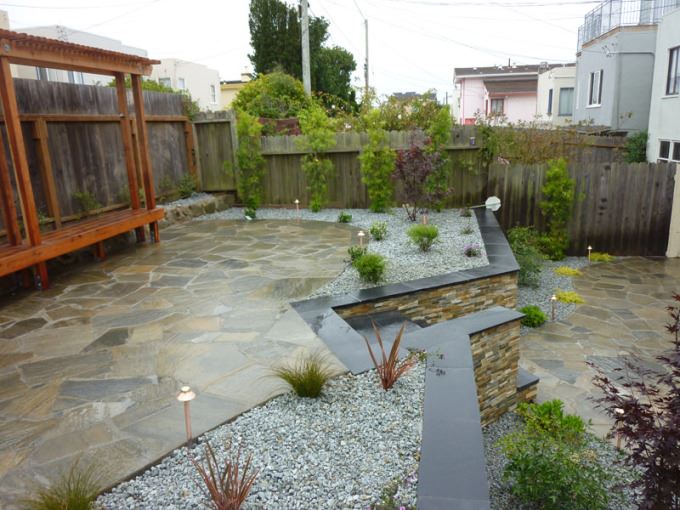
x=186, y=395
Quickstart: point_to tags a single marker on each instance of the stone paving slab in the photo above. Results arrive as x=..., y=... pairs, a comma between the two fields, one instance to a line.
x=90, y=368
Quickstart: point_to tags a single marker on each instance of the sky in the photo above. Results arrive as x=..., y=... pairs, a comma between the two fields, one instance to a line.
x=414, y=45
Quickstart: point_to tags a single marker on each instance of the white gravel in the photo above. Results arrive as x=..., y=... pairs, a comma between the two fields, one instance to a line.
x=404, y=260
x=338, y=451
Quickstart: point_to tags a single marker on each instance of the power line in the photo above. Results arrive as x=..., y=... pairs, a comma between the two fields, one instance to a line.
x=442, y=3
x=68, y=7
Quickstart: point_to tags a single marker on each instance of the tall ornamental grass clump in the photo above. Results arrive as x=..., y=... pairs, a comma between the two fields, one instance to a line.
x=377, y=163
x=318, y=138
x=423, y=236
x=75, y=489
x=307, y=376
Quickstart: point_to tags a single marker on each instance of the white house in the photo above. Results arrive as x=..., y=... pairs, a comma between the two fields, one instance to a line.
x=664, y=114
x=555, y=95
x=200, y=81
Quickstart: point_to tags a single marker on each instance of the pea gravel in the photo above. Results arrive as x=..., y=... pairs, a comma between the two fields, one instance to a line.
x=337, y=451
x=404, y=260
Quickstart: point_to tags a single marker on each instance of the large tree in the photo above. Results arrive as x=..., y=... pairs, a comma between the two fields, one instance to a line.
x=276, y=41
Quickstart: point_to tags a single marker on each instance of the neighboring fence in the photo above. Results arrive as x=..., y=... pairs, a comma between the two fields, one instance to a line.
x=216, y=144
x=72, y=134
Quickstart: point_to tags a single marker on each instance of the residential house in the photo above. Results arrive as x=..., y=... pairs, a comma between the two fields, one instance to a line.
x=664, y=114
x=230, y=89
x=615, y=63
x=508, y=91
x=555, y=95
x=198, y=80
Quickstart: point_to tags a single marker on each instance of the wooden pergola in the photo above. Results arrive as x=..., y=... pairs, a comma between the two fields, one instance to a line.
x=34, y=248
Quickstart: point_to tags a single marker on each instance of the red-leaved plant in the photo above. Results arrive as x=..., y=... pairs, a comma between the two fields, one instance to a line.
x=229, y=486
x=390, y=369
x=645, y=405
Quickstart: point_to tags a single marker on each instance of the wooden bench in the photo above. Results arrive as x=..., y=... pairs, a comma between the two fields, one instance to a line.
x=72, y=237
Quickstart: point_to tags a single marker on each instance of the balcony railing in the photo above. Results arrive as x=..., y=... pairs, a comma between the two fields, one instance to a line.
x=611, y=14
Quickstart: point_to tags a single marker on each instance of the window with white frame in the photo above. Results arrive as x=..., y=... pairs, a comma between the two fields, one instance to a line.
x=213, y=94
x=166, y=82
x=566, y=106
x=496, y=106
x=550, y=101
x=76, y=77
x=180, y=84
x=673, y=80
x=595, y=88
x=669, y=150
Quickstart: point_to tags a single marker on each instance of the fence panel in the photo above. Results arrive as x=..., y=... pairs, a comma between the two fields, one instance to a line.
x=216, y=146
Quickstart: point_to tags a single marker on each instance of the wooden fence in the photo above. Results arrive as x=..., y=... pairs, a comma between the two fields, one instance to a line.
x=73, y=140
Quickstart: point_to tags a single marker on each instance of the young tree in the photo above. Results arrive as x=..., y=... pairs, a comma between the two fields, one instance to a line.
x=319, y=137
x=377, y=163
x=250, y=162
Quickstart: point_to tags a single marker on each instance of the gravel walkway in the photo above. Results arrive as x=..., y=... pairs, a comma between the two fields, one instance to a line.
x=404, y=260
x=338, y=451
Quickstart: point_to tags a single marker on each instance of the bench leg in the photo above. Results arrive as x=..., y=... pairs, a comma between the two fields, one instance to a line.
x=155, y=232
x=42, y=277
x=99, y=251
x=141, y=235
x=26, y=280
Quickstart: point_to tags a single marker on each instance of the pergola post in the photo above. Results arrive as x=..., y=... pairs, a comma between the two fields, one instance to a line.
x=9, y=210
x=143, y=143
x=126, y=136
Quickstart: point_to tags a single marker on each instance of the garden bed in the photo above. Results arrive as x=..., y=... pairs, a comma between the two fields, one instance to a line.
x=405, y=261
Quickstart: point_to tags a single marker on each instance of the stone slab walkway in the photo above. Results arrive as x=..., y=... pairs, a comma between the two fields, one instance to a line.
x=90, y=368
x=624, y=315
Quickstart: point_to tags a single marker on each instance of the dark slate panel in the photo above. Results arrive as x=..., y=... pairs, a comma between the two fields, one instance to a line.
x=525, y=379
x=428, y=503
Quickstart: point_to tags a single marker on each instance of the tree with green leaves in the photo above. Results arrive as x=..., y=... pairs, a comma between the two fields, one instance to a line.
x=319, y=137
x=189, y=106
x=250, y=171
x=377, y=163
x=273, y=96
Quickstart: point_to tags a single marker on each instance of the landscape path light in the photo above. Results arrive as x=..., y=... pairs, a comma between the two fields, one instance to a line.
x=619, y=413
x=553, y=305
x=297, y=209
x=590, y=249
x=185, y=395
x=361, y=235
x=425, y=218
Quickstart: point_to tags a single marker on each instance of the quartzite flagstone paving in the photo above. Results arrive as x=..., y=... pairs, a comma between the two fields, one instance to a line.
x=624, y=315
x=91, y=367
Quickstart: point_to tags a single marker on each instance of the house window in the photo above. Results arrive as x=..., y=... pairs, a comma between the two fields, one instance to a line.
x=595, y=88
x=41, y=73
x=213, y=94
x=497, y=106
x=566, y=107
x=673, y=81
x=180, y=84
x=664, y=150
x=676, y=151
x=165, y=82
x=550, y=98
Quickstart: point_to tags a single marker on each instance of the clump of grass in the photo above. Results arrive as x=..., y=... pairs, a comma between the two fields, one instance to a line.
x=371, y=267
x=466, y=212
x=378, y=230
x=344, y=217
x=187, y=186
x=76, y=489
x=597, y=256
x=250, y=213
x=567, y=271
x=467, y=230
x=569, y=296
x=390, y=368
x=86, y=202
x=423, y=236
x=355, y=252
x=307, y=376
x=228, y=486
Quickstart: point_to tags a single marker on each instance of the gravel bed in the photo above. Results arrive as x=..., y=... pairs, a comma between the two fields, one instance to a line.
x=338, y=451
x=194, y=198
x=404, y=260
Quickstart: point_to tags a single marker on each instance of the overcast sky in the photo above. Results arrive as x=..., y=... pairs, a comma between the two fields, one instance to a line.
x=413, y=44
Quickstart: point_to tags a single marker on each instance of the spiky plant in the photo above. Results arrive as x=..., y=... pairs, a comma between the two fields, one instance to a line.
x=390, y=368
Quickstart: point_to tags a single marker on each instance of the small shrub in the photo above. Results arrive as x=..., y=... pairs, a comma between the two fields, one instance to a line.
x=344, y=217
x=523, y=242
x=550, y=465
x=307, y=376
x=86, y=202
x=378, y=230
x=371, y=267
x=569, y=296
x=423, y=236
x=466, y=231
x=466, y=212
x=76, y=489
x=533, y=316
x=567, y=271
x=186, y=186
x=251, y=213
x=166, y=185
x=389, y=369
x=355, y=252
x=597, y=256
x=635, y=149
x=227, y=487
x=472, y=250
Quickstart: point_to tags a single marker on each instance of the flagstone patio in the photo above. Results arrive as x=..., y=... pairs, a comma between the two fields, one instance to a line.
x=90, y=368
x=624, y=315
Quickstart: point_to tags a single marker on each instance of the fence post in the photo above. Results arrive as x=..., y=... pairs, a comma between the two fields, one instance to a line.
x=40, y=135
x=673, y=249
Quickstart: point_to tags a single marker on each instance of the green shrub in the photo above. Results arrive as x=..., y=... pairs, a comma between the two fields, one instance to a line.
x=249, y=161
x=274, y=96
x=423, y=236
x=550, y=465
x=251, y=213
x=76, y=489
x=533, y=316
x=371, y=267
x=635, y=148
x=523, y=242
x=597, y=256
x=355, y=252
x=86, y=202
x=466, y=212
x=567, y=271
x=307, y=376
x=319, y=137
x=569, y=296
x=186, y=186
x=378, y=230
x=377, y=163
x=344, y=217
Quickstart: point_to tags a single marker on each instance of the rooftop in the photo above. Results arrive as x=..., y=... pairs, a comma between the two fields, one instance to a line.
x=503, y=71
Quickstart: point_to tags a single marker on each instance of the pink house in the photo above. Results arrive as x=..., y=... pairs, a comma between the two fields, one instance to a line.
x=510, y=91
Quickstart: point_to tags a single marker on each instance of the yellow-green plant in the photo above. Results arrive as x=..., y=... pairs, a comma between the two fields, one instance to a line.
x=569, y=296
x=597, y=256
x=377, y=163
x=567, y=271
x=249, y=160
x=318, y=138
x=307, y=376
x=75, y=489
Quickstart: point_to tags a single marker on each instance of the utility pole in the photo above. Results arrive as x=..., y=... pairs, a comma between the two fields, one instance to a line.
x=366, y=62
x=306, y=75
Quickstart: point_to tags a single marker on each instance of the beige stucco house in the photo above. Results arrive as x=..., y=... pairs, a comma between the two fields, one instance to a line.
x=198, y=80
x=555, y=94
x=230, y=88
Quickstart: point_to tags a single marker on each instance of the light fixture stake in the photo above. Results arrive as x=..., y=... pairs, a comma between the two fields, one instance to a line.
x=297, y=209
x=361, y=235
x=620, y=412
x=186, y=396
x=553, y=305
x=590, y=249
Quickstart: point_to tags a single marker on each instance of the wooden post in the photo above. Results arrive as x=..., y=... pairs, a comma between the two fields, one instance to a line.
x=145, y=159
x=18, y=151
x=41, y=136
x=191, y=152
x=9, y=210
